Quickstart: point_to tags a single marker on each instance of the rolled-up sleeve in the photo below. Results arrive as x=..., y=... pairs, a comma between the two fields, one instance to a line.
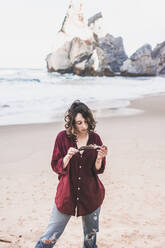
x=99, y=142
x=57, y=157
x=101, y=170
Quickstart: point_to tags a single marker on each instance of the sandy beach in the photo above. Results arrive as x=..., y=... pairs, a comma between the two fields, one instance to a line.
x=133, y=212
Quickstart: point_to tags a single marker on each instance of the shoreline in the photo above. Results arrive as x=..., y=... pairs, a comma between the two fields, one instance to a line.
x=136, y=107
x=133, y=212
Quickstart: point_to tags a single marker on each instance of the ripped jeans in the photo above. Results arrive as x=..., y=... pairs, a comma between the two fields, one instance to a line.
x=58, y=222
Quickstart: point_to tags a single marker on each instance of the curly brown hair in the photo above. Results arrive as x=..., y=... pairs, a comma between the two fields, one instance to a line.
x=78, y=107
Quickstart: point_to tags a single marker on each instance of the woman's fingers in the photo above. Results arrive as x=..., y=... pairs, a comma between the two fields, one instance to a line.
x=72, y=151
x=102, y=152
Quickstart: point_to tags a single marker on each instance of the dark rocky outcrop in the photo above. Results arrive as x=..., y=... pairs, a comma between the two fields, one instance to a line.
x=145, y=62
x=140, y=63
x=114, y=51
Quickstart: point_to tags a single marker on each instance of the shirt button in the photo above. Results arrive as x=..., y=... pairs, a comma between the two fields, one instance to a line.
x=80, y=166
x=79, y=178
x=77, y=198
x=78, y=188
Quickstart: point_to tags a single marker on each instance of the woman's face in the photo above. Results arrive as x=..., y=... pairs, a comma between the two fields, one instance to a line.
x=81, y=124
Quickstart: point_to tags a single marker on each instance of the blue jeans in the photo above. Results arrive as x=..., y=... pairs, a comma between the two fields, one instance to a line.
x=58, y=222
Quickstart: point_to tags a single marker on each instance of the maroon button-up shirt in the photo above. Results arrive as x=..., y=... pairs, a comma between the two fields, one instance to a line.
x=80, y=191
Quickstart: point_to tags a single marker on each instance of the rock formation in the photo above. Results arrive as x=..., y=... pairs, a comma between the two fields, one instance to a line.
x=140, y=63
x=114, y=50
x=145, y=62
x=158, y=54
x=74, y=25
x=80, y=49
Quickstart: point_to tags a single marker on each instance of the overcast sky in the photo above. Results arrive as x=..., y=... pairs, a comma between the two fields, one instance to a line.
x=28, y=27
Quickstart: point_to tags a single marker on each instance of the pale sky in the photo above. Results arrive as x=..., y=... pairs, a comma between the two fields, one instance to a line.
x=28, y=27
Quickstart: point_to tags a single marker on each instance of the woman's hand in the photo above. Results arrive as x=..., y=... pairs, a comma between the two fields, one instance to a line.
x=71, y=151
x=102, y=152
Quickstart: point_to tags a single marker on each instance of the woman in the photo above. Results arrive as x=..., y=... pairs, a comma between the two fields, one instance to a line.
x=79, y=192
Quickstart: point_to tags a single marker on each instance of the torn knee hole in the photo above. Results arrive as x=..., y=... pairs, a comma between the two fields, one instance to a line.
x=95, y=217
x=89, y=236
x=51, y=240
x=47, y=241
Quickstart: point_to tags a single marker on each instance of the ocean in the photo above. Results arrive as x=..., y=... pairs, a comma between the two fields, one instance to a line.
x=36, y=96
